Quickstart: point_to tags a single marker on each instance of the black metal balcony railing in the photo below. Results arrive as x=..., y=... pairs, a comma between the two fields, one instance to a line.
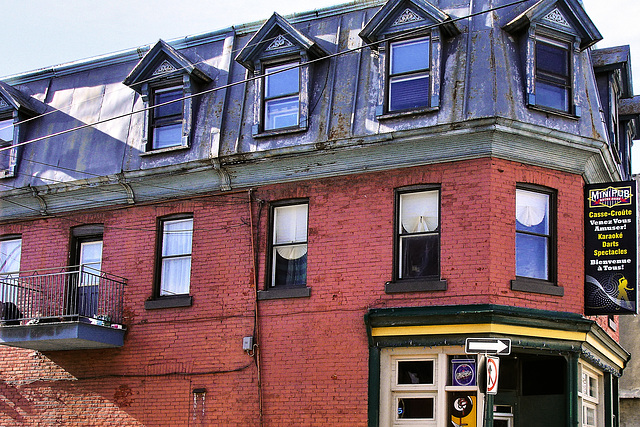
x=62, y=294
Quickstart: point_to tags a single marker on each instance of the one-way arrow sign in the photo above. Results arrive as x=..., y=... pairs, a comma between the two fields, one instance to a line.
x=500, y=346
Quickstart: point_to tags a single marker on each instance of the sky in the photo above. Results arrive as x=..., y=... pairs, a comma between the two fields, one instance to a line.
x=43, y=33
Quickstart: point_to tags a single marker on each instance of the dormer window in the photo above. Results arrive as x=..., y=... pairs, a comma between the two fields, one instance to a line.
x=409, y=68
x=166, y=79
x=556, y=32
x=282, y=96
x=166, y=118
x=409, y=72
x=277, y=54
x=553, y=74
x=14, y=107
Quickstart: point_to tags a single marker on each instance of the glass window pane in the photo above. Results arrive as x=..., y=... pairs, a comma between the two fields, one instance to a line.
x=281, y=113
x=532, y=258
x=288, y=270
x=177, y=237
x=419, y=256
x=419, y=212
x=409, y=92
x=415, y=372
x=10, y=255
x=532, y=211
x=552, y=59
x=176, y=273
x=91, y=254
x=290, y=224
x=172, y=109
x=552, y=96
x=6, y=131
x=283, y=82
x=167, y=136
x=412, y=55
x=415, y=407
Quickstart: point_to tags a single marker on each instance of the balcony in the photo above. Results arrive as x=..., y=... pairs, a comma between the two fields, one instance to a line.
x=69, y=308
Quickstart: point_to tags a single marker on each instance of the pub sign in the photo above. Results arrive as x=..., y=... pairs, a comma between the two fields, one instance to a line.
x=611, y=271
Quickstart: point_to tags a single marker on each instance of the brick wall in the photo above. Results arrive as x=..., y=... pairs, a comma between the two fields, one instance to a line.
x=314, y=351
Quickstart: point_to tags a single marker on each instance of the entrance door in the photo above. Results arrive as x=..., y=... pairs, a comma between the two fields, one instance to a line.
x=532, y=391
x=89, y=277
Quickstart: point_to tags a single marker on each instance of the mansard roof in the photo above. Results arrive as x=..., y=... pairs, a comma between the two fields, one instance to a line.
x=566, y=16
x=277, y=38
x=12, y=98
x=162, y=62
x=406, y=15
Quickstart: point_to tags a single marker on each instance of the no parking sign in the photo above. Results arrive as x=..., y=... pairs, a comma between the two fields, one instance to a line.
x=493, y=368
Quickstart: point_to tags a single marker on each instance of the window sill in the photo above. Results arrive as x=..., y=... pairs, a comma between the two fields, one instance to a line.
x=164, y=150
x=281, y=293
x=536, y=286
x=169, y=302
x=277, y=132
x=415, y=285
x=397, y=114
x=554, y=112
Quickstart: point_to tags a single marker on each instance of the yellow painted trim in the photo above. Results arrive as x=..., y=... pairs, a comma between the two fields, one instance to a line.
x=492, y=328
x=479, y=328
x=605, y=351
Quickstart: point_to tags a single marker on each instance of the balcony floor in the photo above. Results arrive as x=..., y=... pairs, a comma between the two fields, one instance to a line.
x=73, y=335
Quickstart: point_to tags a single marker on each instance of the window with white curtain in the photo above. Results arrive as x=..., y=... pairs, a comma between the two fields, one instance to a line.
x=175, y=269
x=533, y=234
x=419, y=235
x=289, y=246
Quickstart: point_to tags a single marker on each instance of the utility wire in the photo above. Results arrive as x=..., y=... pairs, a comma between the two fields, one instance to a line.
x=250, y=79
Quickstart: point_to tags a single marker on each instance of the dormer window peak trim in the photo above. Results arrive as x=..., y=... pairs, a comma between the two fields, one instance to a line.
x=167, y=79
x=278, y=55
x=567, y=16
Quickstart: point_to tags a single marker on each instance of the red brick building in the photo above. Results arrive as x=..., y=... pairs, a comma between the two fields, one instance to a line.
x=314, y=245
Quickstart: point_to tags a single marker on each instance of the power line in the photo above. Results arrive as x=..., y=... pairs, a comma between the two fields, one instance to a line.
x=250, y=79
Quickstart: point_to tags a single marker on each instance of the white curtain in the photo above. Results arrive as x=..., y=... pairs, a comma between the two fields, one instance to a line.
x=419, y=212
x=176, y=270
x=290, y=226
x=531, y=207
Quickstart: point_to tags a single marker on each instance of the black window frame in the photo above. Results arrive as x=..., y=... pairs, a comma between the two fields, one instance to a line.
x=390, y=76
x=271, y=279
x=159, y=300
x=546, y=285
x=431, y=282
x=156, y=122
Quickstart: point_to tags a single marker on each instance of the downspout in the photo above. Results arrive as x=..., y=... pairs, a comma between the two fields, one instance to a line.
x=256, y=324
x=467, y=72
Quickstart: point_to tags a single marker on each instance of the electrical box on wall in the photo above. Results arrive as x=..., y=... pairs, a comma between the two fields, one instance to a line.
x=247, y=343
